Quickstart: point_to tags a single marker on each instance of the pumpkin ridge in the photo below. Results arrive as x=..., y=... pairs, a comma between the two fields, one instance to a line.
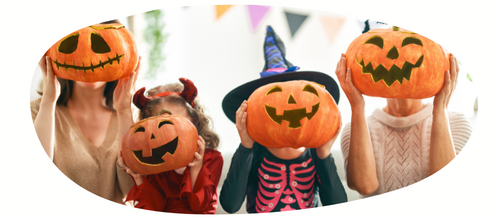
x=157, y=153
x=92, y=67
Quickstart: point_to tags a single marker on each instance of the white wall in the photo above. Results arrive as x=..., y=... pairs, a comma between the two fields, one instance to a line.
x=219, y=55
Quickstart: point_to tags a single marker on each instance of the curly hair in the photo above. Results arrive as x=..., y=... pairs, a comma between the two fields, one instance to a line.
x=203, y=122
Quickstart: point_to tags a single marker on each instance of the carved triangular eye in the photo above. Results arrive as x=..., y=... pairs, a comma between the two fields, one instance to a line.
x=69, y=44
x=310, y=89
x=376, y=40
x=98, y=44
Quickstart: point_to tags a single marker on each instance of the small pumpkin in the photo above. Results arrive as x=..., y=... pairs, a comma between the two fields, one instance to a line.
x=397, y=63
x=101, y=52
x=159, y=144
x=292, y=114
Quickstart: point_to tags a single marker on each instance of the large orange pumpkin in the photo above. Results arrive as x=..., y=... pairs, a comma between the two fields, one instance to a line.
x=396, y=63
x=159, y=144
x=292, y=114
x=102, y=52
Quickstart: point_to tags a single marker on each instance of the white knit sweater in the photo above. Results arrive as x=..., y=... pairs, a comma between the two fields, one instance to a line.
x=401, y=145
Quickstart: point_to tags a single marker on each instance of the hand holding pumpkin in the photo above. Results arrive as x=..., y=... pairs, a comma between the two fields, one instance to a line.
x=344, y=75
x=442, y=98
x=240, y=123
x=51, y=85
x=121, y=164
x=124, y=91
x=198, y=156
x=324, y=150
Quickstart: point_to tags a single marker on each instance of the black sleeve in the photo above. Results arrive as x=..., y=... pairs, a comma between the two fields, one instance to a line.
x=234, y=187
x=331, y=189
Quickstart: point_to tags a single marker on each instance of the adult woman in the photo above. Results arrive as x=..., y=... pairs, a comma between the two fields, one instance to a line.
x=76, y=123
x=402, y=143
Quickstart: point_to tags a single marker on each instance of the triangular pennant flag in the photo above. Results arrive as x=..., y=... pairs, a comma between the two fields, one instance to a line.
x=295, y=21
x=256, y=14
x=221, y=10
x=331, y=25
x=371, y=24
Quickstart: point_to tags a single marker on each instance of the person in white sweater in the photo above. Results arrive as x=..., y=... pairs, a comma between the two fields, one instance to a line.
x=402, y=143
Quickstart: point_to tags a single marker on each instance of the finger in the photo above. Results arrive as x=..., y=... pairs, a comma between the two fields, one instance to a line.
x=130, y=80
x=348, y=77
x=201, y=145
x=240, y=107
x=244, y=120
x=42, y=65
x=138, y=68
x=49, y=70
x=447, y=82
x=198, y=156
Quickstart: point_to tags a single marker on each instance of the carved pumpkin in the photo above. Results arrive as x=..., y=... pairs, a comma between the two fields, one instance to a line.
x=160, y=143
x=395, y=63
x=292, y=114
x=102, y=52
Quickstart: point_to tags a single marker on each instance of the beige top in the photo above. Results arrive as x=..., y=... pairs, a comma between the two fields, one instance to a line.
x=401, y=145
x=92, y=168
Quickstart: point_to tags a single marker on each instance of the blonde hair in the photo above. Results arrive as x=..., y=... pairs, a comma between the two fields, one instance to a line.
x=203, y=122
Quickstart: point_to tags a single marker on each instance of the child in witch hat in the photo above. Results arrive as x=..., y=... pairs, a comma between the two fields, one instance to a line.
x=278, y=179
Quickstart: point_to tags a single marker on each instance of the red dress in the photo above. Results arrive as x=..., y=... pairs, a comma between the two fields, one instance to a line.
x=172, y=192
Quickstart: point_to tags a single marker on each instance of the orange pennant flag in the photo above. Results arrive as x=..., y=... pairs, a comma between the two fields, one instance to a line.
x=221, y=9
x=332, y=26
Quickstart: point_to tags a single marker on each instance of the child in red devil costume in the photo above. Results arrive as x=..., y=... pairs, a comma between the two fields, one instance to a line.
x=191, y=189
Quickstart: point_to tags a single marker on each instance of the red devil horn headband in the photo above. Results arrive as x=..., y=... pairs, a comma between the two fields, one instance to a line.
x=189, y=94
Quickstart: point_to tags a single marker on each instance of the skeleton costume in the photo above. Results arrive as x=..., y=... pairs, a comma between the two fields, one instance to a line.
x=272, y=184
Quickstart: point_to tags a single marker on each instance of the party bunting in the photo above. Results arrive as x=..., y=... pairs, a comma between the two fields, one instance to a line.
x=371, y=24
x=221, y=9
x=295, y=21
x=256, y=15
x=332, y=26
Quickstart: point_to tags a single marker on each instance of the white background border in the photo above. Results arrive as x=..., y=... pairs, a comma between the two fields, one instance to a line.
x=32, y=185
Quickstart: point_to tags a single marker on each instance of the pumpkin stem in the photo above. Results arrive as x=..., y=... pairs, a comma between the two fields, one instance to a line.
x=395, y=28
x=163, y=111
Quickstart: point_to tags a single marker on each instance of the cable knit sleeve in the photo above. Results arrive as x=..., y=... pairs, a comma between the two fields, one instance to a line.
x=147, y=195
x=345, y=142
x=202, y=198
x=461, y=130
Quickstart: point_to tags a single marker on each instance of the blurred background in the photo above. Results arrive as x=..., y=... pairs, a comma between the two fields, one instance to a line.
x=220, y=47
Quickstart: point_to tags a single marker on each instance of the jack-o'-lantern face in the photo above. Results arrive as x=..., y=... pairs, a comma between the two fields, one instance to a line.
x=95, y=53
x=396, y=63
x=292, y=114
x=158, y=144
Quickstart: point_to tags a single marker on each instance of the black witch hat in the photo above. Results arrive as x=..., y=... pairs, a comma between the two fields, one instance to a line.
x=276, y=69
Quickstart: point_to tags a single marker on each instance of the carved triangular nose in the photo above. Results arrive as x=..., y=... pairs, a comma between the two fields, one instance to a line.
x=291, y=100
x=393, y=53
x=152, y=136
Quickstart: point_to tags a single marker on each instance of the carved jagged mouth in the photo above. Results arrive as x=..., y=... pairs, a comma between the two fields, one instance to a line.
x=292, y=116
x=157, y=153
x=90, y=67
x=393, y=74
